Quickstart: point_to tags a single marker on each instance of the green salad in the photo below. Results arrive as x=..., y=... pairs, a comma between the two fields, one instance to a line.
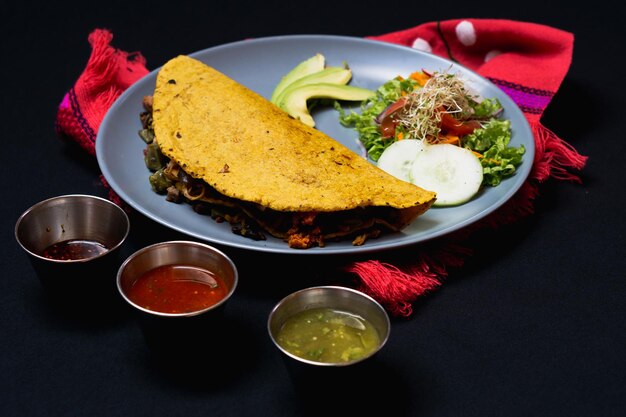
x=436, y=108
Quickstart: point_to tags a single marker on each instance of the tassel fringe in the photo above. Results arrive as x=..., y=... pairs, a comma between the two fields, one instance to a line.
x=108, y=73
x=394, y=288
x=554, y=158
x=397, y=289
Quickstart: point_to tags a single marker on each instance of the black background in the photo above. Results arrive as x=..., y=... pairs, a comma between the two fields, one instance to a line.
x=533, y=325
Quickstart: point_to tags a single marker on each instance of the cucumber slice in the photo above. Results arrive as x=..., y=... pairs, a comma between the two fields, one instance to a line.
x=454, y=173
x=397, y=159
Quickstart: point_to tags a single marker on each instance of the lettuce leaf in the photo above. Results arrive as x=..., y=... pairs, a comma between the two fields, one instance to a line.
x=486, y=108
x=363, y=122
x=499, y=160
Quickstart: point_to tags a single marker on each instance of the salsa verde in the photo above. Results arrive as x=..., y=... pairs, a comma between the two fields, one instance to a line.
x=328, y=335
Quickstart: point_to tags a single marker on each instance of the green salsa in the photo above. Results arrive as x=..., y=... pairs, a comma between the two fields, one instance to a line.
x=328, y=335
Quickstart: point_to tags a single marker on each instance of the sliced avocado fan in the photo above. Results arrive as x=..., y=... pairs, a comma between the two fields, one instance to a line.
x=309, y=66
x=311, y=79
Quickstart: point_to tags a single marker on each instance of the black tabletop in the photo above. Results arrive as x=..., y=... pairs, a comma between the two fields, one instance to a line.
x=532, y=324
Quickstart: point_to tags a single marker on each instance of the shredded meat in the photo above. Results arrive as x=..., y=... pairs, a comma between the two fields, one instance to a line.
x=173, y=194
x=303, y=233
x=360, y=239
x=147, y=103
x=305, y=240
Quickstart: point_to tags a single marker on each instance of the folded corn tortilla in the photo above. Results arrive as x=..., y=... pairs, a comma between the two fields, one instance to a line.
x=251, y=152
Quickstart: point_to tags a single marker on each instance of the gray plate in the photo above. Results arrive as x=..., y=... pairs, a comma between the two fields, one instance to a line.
x=259, y=64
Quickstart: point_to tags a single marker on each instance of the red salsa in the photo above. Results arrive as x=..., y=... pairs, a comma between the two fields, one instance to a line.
x=73, y=249
x=177, y=289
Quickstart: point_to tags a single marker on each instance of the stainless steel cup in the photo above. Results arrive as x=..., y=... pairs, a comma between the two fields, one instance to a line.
x=181, y=333
x=355, y=380
x=335, y=297
x=69, y=217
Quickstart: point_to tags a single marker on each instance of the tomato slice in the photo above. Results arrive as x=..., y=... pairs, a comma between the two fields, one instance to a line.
x=388, y=127
x=457, y=127
x=388, y=122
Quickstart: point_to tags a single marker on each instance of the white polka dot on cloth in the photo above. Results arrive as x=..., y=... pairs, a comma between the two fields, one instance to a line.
x=465, y=33
x=422, y=45
x=492, y=54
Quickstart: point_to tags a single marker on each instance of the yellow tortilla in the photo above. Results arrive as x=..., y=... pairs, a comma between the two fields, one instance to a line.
x=246, y=148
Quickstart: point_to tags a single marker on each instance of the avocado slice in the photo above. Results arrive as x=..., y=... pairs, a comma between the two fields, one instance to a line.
x=294, y=102
x=330, y=75
x=309, y=66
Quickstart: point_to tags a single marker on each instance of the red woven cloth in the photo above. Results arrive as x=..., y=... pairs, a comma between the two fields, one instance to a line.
x=526, y=60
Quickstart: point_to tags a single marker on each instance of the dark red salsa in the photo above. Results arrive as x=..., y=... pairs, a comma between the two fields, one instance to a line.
x=74, y=249
x=177, y=289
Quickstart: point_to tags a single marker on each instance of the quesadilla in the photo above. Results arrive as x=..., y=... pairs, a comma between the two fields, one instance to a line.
x=227, y=148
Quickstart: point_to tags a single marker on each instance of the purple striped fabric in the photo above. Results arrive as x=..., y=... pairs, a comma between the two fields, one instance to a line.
x=530, y=100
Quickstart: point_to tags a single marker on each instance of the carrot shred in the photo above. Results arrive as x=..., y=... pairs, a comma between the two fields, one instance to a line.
x=451, y=139
x=420, y=77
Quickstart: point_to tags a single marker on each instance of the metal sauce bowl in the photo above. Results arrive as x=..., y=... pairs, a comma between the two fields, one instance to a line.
x=335, y=297
x=70, y=217
x=180, y=333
